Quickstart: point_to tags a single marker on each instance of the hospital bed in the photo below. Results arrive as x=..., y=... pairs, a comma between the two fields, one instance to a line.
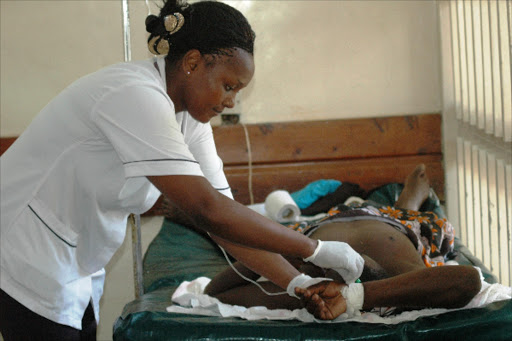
x=376, y=154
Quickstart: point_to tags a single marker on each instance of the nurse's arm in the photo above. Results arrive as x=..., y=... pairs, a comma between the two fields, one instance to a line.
x=270, y=265
x=227, y=219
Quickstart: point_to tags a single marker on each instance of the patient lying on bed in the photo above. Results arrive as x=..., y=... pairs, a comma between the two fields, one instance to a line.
x=401, y=269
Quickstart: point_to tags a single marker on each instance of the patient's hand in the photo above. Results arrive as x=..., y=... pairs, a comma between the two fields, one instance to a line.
x=323, y=300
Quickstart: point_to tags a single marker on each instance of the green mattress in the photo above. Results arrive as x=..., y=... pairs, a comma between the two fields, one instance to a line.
x=179, y=254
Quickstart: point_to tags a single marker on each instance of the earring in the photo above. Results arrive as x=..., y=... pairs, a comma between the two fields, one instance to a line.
x=188, y=72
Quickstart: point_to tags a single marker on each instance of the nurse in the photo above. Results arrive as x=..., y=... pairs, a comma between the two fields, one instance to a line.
x=109, y=145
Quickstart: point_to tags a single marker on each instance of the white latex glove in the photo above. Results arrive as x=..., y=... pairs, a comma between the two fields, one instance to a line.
x=340, y=257
x=303, y=281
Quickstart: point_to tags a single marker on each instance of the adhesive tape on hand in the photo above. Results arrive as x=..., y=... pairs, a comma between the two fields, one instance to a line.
x=354, y=297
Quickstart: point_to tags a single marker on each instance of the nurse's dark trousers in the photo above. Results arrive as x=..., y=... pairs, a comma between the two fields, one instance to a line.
x=18, y=323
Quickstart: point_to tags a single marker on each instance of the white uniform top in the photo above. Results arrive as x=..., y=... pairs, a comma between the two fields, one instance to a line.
x=71, y=179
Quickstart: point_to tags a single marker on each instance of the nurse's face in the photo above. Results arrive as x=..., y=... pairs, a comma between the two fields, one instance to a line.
x=214, y=83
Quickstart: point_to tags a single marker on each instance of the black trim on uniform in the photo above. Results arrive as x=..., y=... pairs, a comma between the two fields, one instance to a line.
x=49, y=228
x=193, y=161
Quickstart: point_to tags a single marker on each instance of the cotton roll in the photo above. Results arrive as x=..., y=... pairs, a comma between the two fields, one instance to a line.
x=280, y=207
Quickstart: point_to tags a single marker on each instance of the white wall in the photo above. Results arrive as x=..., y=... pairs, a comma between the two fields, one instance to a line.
x=332, y=59
x=45, y=45
x=314, y=60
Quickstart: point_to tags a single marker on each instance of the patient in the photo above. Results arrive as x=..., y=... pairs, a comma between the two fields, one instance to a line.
x=398, y=270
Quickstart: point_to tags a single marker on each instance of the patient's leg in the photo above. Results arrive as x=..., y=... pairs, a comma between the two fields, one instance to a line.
x=416, y=189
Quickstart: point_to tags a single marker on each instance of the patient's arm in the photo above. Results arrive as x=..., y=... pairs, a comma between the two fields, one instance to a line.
x=229, y=279
x=438, y=287
x=230, y=288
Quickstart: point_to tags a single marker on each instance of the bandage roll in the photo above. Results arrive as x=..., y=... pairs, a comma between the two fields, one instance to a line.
x=280, y=207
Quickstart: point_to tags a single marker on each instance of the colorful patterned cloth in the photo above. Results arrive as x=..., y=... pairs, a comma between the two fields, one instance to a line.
x=432, y=236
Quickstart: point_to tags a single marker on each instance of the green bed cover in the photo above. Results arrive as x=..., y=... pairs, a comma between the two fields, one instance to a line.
x=179, y=254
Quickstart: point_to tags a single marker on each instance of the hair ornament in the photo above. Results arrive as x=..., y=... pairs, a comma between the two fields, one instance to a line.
x=158, y=45
x=173, y=22
x=161, y=30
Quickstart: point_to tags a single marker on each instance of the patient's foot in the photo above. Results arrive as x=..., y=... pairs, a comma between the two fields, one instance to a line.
x=415, y=191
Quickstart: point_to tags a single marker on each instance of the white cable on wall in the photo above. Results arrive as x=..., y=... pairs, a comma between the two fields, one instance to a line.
x=249, y=156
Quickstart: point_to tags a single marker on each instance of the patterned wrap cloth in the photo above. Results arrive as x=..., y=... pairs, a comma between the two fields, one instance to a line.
x=432, y=236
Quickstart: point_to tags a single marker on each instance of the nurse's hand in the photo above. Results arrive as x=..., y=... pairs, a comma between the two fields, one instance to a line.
x=340, y=257
x=323, y=300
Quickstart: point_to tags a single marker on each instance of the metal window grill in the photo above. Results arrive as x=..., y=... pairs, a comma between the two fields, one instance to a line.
x=476, y=38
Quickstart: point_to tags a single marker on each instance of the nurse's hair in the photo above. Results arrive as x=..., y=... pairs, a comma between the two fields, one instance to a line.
x=211, y=27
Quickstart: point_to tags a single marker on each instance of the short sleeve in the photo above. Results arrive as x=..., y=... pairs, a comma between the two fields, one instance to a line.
x=140, y=122
x=199, y=138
